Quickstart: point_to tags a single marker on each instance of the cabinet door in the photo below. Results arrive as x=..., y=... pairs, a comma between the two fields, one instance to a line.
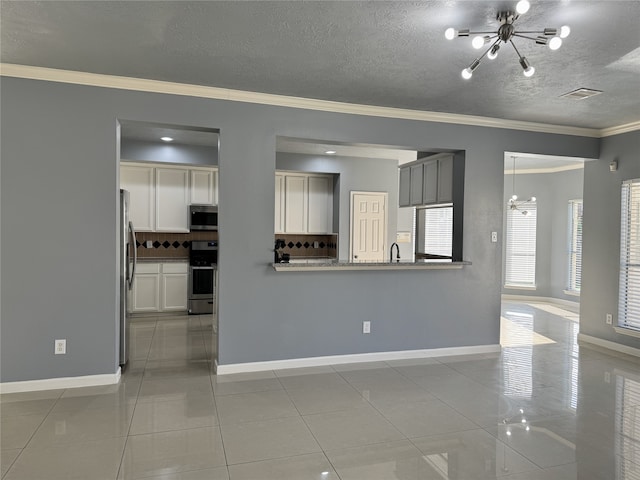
x=202, y=191
x=445, y=180
x=430, y=183
x=138, y=180
x=172, y=200
x=174, y=292
x=278, y=218
x=405, y=187
x=146, y=293
x=295, y=199
x=416, y=185
x=320, y=205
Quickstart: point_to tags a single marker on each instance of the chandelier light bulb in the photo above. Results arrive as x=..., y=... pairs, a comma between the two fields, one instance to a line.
x=528, y=70
x=533, y=199
x=522, y=7
x=564, y=31
x=450, y=33
x=467, y=73
x=493, y=53
x=555, y=43
x=514, y=197
x=477, y=42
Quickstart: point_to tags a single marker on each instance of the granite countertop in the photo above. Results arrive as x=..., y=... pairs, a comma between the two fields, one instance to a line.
x=163, y=259
x=315, y=265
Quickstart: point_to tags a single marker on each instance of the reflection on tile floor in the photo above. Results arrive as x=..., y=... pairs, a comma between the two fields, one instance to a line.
x=542, y=409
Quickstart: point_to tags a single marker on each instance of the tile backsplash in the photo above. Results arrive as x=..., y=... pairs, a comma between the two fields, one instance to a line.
x=309, y=245
x=169, y=245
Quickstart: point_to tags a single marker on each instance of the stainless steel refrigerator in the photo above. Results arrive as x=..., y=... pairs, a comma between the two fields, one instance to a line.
x=128, y=258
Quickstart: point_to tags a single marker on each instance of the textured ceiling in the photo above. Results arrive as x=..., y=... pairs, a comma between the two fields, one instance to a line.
x=390, y=54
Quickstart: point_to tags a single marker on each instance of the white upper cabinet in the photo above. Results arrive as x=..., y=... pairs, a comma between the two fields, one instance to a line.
x=303, y=203
x=160, y=194
x=320, y=204
x=172, y=200
x=296, y=201
x=278, y=218
x=139, y=181
x=204, y=189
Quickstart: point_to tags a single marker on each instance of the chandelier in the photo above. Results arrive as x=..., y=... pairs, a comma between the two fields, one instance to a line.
x=514, y=203
x=552, y=37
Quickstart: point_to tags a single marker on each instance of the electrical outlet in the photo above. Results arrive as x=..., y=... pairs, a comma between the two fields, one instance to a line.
x=494, y=237
x=60, y=347
x=609, y=319
x=366, y=327
x=148, y=244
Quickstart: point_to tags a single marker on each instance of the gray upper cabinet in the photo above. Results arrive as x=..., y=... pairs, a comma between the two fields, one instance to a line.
x=430, y=183
x=416, y=185
x=445, y=180
x=405, y=186
x=427, y=182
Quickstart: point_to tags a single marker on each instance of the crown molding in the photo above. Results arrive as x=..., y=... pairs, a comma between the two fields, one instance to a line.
x=156, y=86
x=628, y=127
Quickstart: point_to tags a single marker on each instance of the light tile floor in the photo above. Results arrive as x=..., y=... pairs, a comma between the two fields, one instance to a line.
x=542, y=409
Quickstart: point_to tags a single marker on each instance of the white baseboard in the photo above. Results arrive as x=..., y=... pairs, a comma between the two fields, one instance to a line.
x=61, y=382
x=353, y=358
x=609, y=345
x=533, y=299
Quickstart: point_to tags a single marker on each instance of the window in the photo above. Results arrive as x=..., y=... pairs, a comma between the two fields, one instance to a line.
x=575, y=245
x=520, y=269
x=629, y=294
x=433, y=231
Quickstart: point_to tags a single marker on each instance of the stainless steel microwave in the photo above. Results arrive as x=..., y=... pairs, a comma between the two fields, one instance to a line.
x=203, y=217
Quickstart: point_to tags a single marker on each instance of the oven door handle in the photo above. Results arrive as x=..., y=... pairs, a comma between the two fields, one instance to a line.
x=203, y=268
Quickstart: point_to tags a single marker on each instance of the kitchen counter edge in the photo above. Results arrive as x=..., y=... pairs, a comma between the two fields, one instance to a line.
x=351, y=266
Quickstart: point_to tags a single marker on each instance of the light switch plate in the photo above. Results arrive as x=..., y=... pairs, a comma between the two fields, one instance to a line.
x=494, y=237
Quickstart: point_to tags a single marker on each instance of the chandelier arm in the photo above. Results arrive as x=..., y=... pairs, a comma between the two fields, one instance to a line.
x=485, y=33
x=524, y=36
x=541, y=32
x=515, y=48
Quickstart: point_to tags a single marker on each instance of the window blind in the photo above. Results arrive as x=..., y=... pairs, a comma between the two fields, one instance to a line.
x=438, y=231
x=575, y=245
x=629, y=293
x=520, y=268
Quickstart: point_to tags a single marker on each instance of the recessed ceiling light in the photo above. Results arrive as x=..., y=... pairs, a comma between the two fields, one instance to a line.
x=330, y=152
x=166, y=139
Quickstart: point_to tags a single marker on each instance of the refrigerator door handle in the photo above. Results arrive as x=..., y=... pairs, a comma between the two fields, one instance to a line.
x=135, y=254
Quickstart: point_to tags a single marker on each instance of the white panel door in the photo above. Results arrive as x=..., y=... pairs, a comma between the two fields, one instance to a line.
x=174, y=292
x=138, y=180
x=278, y=218
x=203, y=187
x=295, y=219
x=172, y=200
x=368, y=227
x=320, y=208
x=146, y=293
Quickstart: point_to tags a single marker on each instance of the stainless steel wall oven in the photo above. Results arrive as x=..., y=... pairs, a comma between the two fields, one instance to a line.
x=203, y=263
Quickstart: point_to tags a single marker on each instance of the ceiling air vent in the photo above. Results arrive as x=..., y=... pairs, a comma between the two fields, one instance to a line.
x=581, y=93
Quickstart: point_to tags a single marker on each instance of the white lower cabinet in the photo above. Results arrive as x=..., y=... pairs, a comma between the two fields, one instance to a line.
x=160, y=287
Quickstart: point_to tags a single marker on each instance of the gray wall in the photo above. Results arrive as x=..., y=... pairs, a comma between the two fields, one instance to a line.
x=60, y=170
x=601, y=235
x=356, y=174
x=143, y=151
x=553, y=192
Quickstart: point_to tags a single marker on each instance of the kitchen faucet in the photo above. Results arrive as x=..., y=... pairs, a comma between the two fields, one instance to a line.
x=394, y=244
